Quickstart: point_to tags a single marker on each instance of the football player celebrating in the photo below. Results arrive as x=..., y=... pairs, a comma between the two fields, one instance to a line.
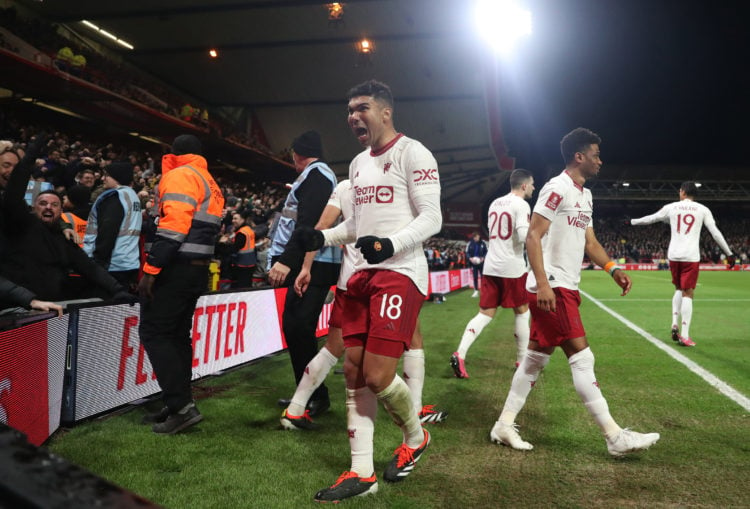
x=396, y=195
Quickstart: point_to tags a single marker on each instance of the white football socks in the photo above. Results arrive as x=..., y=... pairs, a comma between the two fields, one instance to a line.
x=523, y=381
x=315, y=372
x=676, y=308
x=473, y=329
x=584, y=380
x=522, y=331
x=398, y=403
x=687, y=316
x=414, y=375
x=361, y=410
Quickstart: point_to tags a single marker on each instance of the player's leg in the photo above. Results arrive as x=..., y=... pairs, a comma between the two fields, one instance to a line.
x=413, y=374
x=619, y=441
x=299, y=321
x=521, y=331
x=395, y=304
x=674, y=268
x=515, y=296
x=676, y=309
x=488, y=303
x=397, y=401
x=296, y=416
x=688, y=282
x=686, y=313
x=581, y=361
x=361, y=411
x=413, y=367
x=505, y=430
x=475, y=327
x=543, y=336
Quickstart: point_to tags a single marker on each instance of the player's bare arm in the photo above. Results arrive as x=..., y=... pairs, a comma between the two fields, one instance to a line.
x=599, y=256
x=538, y=227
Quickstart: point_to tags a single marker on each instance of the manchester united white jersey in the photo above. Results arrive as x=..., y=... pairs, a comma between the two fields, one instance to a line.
x=507, y=221
x=341, y=198
x=685, y=219
x=570, y=208
x=396, y=194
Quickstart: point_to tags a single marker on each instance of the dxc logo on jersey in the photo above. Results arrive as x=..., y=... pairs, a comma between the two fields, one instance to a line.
x=425, y=176
x=384, y=194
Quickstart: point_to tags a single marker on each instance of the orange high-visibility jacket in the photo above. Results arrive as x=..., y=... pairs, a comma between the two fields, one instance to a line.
x=246, y=256
x=190, y=207
x=79, y=225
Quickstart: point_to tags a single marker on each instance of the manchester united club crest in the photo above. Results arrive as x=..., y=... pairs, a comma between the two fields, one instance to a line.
x=386, y=167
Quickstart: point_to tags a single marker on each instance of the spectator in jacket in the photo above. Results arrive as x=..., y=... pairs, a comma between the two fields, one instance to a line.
x=114, y=226
x=76, y=209
x=240, y=245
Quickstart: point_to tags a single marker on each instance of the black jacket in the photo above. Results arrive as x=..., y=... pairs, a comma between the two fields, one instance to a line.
x=39, y=257
x=15, y=295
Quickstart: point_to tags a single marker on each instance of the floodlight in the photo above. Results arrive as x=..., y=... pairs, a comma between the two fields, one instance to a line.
x=502, y=23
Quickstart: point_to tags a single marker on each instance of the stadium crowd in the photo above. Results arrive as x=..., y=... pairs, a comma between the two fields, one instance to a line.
x=75, y=167
x=648, y=244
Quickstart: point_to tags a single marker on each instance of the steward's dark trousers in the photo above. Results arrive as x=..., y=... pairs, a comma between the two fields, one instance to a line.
x=165, y=326
x=476, y=271
x=299, y=321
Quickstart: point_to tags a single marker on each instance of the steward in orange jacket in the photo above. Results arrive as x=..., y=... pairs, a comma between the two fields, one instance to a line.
x=175, y=275
x=78, y=224
x=190, y=208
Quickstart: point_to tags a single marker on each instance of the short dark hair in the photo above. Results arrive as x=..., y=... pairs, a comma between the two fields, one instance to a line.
x=49, y=191
x=576, y=141
x=519, y=177
x=689, y=188
x=374, y=88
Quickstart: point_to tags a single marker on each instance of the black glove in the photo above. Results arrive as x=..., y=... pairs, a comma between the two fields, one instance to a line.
x=626, y=221
x=307, y=238
x=731, y=260
x=375, y=249
x=123, y=297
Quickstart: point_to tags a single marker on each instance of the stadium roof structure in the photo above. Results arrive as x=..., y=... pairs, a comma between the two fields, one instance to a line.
x=292, y=66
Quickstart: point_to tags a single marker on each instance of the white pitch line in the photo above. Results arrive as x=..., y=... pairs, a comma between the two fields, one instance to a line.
x=669, y=299
x=712, y=379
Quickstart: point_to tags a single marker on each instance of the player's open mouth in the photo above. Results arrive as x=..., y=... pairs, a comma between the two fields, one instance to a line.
x=360, y=133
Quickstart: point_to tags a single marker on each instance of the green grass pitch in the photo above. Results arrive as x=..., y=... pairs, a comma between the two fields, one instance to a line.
x=239, y=457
